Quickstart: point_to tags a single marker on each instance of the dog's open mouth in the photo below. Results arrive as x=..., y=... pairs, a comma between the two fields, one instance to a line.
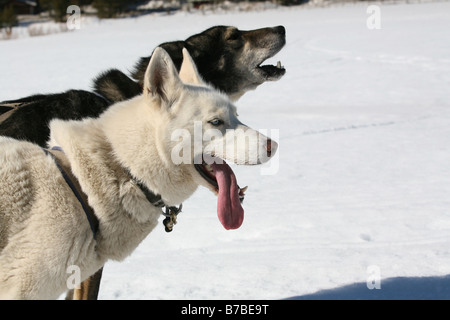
x=229, y=195
x=272, y=72
x=268, y=71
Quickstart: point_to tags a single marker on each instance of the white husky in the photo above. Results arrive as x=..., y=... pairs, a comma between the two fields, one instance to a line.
x=43, y=228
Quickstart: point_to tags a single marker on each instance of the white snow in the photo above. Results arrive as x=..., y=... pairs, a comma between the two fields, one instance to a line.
x=364, y=156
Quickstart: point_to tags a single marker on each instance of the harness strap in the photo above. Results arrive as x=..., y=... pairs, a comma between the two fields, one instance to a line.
x=64, y=167
x=155, y=199
x=7, y=108
x=11, y=108
x=101, y=96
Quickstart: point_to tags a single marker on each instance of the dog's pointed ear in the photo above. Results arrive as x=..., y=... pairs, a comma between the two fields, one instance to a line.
x=188, y=71
x=161, y=78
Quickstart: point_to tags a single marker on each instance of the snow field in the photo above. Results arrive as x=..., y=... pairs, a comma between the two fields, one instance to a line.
x=364, y=151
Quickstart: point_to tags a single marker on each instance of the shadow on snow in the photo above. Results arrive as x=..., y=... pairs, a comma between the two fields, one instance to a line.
x=400, y=288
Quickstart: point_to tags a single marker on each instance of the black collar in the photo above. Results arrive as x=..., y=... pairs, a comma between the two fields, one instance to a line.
x=156, y=200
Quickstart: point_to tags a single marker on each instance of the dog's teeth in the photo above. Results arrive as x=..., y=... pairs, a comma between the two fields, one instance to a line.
x=241, y=194
x=279, y=65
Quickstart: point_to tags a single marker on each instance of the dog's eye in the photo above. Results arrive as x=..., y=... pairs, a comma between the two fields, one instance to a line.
x=216, y=122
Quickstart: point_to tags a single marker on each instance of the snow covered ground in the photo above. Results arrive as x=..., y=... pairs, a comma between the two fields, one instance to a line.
x=363, y=187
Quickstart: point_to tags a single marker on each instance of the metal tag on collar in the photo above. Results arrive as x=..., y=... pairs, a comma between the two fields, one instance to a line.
x=171, y=217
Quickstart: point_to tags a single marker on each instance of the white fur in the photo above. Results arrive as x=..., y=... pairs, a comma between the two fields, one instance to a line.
x=43, y=229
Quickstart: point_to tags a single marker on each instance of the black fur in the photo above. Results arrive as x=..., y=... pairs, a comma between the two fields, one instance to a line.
x=218, y=54
x=116, y=86
x=30, y=121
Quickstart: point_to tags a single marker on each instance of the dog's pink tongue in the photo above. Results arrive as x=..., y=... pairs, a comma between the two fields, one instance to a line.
x=229, y=209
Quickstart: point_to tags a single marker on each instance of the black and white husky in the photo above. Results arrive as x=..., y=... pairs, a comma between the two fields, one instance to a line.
x=227, y=58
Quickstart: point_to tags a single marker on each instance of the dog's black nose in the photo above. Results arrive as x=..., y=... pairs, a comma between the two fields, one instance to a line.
x=269, y=147
x=280, y=30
